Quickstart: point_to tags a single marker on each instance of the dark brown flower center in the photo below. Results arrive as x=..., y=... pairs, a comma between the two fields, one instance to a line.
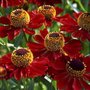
x=54, y=35
x=76, y=65
x=21, y=52
x=76, y=68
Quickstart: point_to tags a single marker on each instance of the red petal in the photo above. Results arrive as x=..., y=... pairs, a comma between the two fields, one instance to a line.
x=62, y=83
x=3, y=31
x=69, y=85
x=77, y=85
x=60, y=76
x=86, y=86
x=73, y=48
x=76, y=15
x=87, y=62
x=38, y=68
x=24, y=72
x=4, y=20
x=69, y=28
x=17, y=74
x=59, y=65
x=58, y=10
x=5, y=59
x=39, y=39
x=35, y=46
x=11, y=35
x=48, y=23
x=87, y=77
x=83, y=34
x=10, y=67
x=37, y=20
x=31, y=32
x=44, y=32
x=64, y=20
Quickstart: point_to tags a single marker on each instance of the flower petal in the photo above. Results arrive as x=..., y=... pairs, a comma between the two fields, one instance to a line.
x=17, y=74
x=3, y=31
x=35, y=46
x=76, y=84
x=44, y=32
x=72, y=48
x=4, y=20
x=10, y=35
x=58, y=10
x=62, y=83
x=30, y=32
x=39, y=39
x=86, y=60
x=37, y=20
x=38, y=67
x=86, y=86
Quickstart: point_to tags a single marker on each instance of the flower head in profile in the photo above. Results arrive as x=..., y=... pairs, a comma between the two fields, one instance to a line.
x=72, y=73
x=50, y=12
x=53, y=44
x=20, y=21
x=21, y=64
x=79, y=26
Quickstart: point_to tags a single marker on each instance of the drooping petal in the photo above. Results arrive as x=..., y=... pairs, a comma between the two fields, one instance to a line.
x=64, y=20
x=85, y=85
x=10, y=35
x=73, y=47
x=44, y=32
x=35, y=46
x=62, y=83
x=83, y=34
x=87, y=62
x=58, y=10
x=38, y=67
x=5, y=59
x=58, y=65
x=10, y=67
x=87, y=76
x=37, y=19
x=39, y=39
x=30, y=32
x=77, y=85
x=17, y=74
x=4, y=20
x=69, y=84
x=3, y=31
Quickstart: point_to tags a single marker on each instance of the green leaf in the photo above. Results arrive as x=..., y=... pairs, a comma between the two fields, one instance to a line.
x=0, y=83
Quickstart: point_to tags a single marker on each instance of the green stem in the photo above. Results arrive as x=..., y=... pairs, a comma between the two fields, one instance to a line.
x=24, y=35
x=6, y=85
x=80, y=4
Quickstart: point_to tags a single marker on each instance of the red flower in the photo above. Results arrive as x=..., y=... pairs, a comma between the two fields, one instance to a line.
x=20, y=68
x=71, y=47
x=70, y=25
x=50, y=13
x=12, y=30
x=7, y=3
x=45, y=2
x=72, y=74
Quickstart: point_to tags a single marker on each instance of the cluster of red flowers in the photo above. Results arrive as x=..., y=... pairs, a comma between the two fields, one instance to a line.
x=54, y=53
